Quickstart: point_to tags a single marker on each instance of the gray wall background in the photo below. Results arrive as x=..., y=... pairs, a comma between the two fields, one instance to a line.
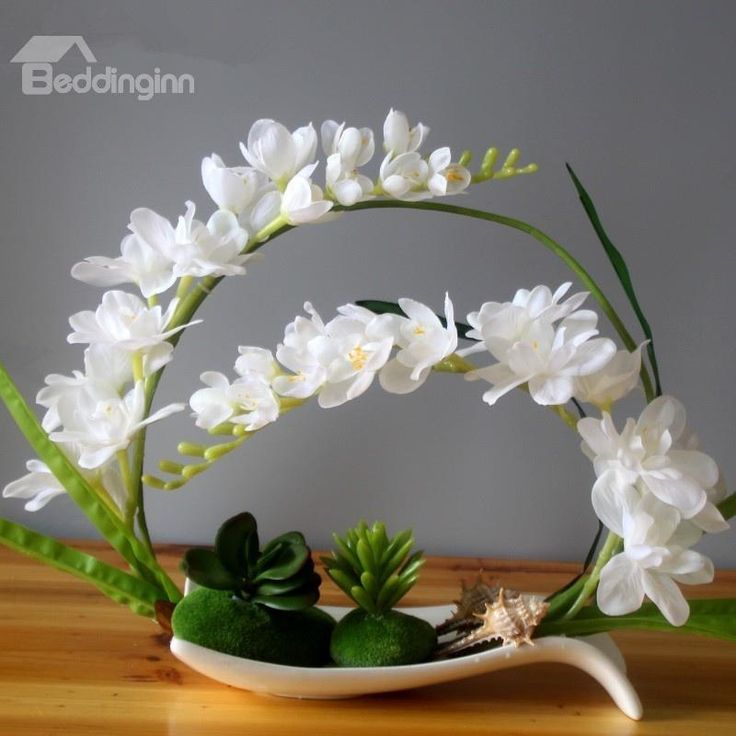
x=638, y=96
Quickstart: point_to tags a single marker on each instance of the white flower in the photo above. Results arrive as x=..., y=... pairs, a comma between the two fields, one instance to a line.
x=254, y=360
x=139, y=264
x=498, y=325
x=276, y=152
x=39, y=486
x=301, y=202
x=125, y=321
x=616, y=379
x=445, y=177
x=231, y=188
x=548, y=359
x=106, y=367
x=347, y=149
x=644, y=458
x=195, y=249
x=651, y=565
x=308, y=374
x=102, y=424
x=249, y=401
x=339, y=359
x=423, y=342
x=357, y=344
x=405, y=177
x=398, y=137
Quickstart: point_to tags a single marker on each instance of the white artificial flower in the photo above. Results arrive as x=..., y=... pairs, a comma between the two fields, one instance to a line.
x=346, y=150
x=423, y=342
x=249, y=401
x=308, y=374
x=256, y=360
x=339, y=360
x=38, y=487
x=140, y=264
x=356, y=345
x=651, y=564
x=125, y=321
x=405, y=177
x=346, y=185
x=445, y=177
x=645, y=458
x=301, y=202
x=498, y=325
x=277, y=153
x=231, y=188
x=614, y=381
x=101, y=424
x=194, y=248
x=398, y=137
x=106, y=367
x=547, y=359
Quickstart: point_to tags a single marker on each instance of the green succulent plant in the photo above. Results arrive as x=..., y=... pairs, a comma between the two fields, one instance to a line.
x=280, y=576
x=375, y=571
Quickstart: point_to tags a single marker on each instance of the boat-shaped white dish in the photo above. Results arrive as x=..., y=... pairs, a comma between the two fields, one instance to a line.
x=596, y=655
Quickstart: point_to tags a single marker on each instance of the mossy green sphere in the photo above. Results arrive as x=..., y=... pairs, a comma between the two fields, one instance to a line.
x=362, y=639
x=216, y=620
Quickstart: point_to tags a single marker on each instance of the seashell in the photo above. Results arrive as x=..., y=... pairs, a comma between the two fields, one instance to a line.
x=472, y=601
x=511, y=617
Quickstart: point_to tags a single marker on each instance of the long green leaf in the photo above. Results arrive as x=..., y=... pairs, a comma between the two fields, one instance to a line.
x=622, y=271
x=381, y=307
x=708, y=617
x=122, y=587
x=104, y=520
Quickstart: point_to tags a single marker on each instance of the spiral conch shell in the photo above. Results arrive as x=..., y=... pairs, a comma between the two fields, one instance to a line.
x=472, y=601
x=511, y=617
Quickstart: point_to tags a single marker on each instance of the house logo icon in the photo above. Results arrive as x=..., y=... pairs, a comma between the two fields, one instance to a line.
x=50, y=49
x=38, y=76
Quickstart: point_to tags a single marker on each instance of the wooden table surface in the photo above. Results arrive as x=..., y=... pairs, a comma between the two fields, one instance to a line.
x=72, y=662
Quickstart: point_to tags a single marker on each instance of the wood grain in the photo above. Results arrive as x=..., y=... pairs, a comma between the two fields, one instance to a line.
x=72, y=662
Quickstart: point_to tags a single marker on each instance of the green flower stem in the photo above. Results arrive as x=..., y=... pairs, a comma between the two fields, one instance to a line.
x=610, y=548
x=567, y=258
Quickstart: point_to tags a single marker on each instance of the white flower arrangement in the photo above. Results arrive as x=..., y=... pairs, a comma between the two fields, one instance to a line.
x=655, y=493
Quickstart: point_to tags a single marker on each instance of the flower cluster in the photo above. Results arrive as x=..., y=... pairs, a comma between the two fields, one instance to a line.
x=551, y=346
x=336, y=361
x=95, y=414
x=658, y=492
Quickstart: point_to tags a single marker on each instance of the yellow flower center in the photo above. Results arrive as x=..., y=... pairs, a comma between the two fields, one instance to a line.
x=358, y=358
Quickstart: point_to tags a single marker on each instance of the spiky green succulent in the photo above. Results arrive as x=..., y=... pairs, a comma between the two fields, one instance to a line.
x=280, y=576
x=375, y=571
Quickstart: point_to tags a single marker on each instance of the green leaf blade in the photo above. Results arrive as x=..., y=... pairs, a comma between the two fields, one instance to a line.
x=622, y=271
x=137, y=594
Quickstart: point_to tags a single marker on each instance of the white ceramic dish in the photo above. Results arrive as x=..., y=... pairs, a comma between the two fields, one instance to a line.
x=596, y=655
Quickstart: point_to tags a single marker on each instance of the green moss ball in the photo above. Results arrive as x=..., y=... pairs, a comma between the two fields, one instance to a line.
x=392, y=638
x=216, y=620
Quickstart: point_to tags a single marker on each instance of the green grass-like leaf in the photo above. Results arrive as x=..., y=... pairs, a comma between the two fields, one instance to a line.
x=122, y=587
x=708, y=616
x=621, y=269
